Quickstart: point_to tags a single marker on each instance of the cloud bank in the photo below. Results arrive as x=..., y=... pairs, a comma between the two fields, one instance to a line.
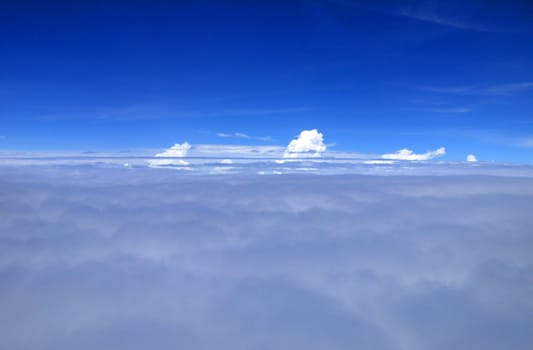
x=407, y=154
x=144, y=258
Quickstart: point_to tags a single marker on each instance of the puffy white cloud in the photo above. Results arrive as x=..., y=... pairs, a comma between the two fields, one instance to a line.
x=310, y=143
x=176, y=151
x=407, y=154
x=471, y=158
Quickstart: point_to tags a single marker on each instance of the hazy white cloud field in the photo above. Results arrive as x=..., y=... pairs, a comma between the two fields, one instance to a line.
x=138, y=258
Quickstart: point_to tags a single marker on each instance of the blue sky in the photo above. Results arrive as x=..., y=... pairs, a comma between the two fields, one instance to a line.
x=373, y=77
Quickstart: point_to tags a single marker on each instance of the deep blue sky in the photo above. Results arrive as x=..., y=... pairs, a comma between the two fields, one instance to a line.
x=373, y=76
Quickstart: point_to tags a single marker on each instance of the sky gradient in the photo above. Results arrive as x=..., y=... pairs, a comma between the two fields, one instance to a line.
x=373, y=77
x=313, y=174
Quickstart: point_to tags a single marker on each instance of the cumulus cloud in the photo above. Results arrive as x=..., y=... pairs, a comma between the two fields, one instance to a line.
x=471, y=158
x=115, y=258
x=176, y=151
x=310, y=143
x=407, y=154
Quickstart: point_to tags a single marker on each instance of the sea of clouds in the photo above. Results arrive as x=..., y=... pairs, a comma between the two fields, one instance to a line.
x=150, y=258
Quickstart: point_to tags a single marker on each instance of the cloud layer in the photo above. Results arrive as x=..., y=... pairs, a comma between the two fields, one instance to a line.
x=152, y=259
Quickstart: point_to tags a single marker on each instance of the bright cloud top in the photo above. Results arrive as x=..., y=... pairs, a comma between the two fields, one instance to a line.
x=310, y=143
x=471, y=158
x=176, y=151
x=407, y=154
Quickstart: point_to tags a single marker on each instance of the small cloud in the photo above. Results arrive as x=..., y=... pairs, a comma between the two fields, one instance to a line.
x=226, y=161
x=471, y=158
x=310, y=143
x=176, y=151
x=407, y=154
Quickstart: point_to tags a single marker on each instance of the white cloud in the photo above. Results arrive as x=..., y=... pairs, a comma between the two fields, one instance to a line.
x=114, y=260
x=176, y=151
x=310, y=143
x=378, y=162
x=407, y=154
x=471, y=158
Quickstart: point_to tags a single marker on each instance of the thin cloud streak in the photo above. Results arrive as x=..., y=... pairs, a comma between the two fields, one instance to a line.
x=492, y=90
x=241, y=135
x=527, y=142
x=432, y=17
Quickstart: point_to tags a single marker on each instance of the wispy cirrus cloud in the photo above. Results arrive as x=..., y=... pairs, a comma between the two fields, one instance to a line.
x=241, y=135
x=483, y=90
x=440, y=13
x=432, y=16
x=525, y=142
x=445, y=110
